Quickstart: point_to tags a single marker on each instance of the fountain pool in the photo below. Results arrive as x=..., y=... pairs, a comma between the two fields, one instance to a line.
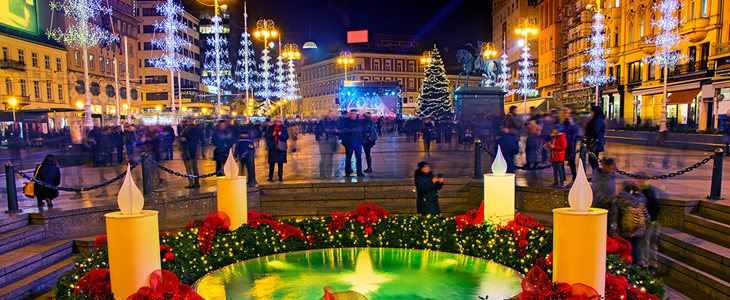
x=377, y=273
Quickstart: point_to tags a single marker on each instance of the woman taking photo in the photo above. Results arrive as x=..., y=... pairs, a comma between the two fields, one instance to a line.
x=276, y=137
x=47, y=172
x=427, y=186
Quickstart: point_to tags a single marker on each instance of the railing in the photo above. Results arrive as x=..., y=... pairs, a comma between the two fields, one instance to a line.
x=12, y=64
x=721, y=48
x=692, y=67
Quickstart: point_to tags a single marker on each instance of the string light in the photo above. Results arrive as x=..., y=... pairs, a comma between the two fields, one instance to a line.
x=504, y=76
x=218, y=64
x=171, y=43
x=525, y=80
x=246, y=63
x=82, y=32
x=668, y=37
x=280, y=78
x=597, y=64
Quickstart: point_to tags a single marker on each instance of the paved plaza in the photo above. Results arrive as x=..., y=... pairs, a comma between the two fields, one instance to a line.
x=393, y=159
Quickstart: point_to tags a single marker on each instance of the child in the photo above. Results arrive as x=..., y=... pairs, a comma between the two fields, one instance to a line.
x=558, y=146
x=242, y=151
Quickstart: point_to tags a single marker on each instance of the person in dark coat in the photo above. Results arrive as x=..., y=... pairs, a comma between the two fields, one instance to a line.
x=48, y=172
x=189, y=141
x=429, y=133
x=274, y=134
x=118, y=141
x=596, y=134
x=351, y=133
x=370, y=134
x=427, y=186
x=166, y=141
x=223, y=139
x=93, y=139
x=509, y=147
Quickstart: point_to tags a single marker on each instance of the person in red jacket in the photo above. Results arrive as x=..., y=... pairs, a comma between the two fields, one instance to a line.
x=558, y=146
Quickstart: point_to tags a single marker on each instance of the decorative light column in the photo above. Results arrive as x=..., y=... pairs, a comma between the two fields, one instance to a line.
x=345, y=59
x=280, y=80
x=504, y=75
x=264, y=30
x=597, y=64
x=82, y=33
x=246, y=61
x=291, y=51
x=217, y=53
x=666, y=41
x=527, y=26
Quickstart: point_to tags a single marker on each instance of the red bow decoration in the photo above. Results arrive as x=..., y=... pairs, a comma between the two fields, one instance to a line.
x=331, y=294
x=537, y=286
x=365, y=214
x=100, y=240
x=95, y=284
x=618, y=288
x=520, y=227
x=166, y=252
x=255, y=219
x=620, y=246
x=471, y=218
x=215, y=221
x=165, y=285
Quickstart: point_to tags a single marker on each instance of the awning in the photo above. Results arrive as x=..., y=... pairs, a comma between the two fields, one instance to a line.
x=544, y=105
x=670, y=88
x=683, y=97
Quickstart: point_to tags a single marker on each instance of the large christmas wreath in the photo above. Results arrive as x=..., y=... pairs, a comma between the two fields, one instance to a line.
x=207, y=245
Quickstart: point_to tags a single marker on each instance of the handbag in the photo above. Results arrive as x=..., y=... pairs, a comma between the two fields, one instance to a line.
x=281, y=145
x=29, y=187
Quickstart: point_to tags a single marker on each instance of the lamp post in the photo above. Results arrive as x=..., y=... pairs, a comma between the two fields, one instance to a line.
x=218, y=59
x=345, y=58
x=526, y=27
x=158, y=109
x=426, y=58
x=13, y=102
x=264, y=30
x=489, y=52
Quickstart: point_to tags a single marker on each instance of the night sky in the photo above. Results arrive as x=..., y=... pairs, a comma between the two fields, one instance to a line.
x=446, y=23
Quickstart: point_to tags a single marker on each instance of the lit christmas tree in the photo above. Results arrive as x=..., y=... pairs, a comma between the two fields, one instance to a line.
x=280, y=76
x=171, y=43
x=525, y=80
x=434, y=100
x=246, y=62
x=264, y=83
x=504, y=76
x=82, y=33
x=218, y=64
x=291, y=51
x=597, y=64
x=666, y=41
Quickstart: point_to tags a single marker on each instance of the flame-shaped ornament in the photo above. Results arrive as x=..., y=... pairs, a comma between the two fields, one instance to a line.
x=231, y=167
x=130, y=199
x=499, y=165
x=580, y=196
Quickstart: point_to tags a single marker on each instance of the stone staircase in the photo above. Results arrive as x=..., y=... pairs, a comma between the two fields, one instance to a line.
x=694, y=259
x=319, y=199
x=31, y=263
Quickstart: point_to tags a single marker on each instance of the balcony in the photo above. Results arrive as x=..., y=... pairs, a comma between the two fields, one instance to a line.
x=12, y=64
x=647, y=47
x=695, y=29
x=22, y=101
x=720, y=49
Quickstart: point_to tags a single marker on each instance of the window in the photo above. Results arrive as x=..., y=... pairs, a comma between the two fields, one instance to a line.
x=5, y=53
x=399, y=67
x=76, y=58
x=692, y=11
x=60, y=92
x=618, y=3
x=387, y=66
x=36, y=89
x=653, y=17
x=121, y=68
x=631, y=33
x=411, y=67
x=34, y=59
x=47, y=61
x=130, y=50
x=21, y=56
x=9, y=85
x=23, y=88
x=109, y=66
x=131, y=71
x=615, y=40
x=652, y=71
x=101, y=64
x=58, y=64
x=91, y=61
x=411, y=83
x=641, y=28
x=49, y=90
x=376, y=65
x=704, y=8
x=635, y=72
x=551, y=42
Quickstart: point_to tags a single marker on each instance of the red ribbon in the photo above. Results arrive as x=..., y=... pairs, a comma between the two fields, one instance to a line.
x=255, y=219
x=471, y=218
x=96, y=284
x=537, y=285
x=620, y=246
x=215, y=221
x=165, y=285
x=365, y=214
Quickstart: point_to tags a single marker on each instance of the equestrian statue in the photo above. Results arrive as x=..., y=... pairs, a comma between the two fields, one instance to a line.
x=479, y=62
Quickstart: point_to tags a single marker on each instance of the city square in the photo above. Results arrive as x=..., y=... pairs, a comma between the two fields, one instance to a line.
x=204, y=150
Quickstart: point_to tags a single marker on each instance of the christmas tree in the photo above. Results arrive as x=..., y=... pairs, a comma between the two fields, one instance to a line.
x=504, y=76
x=597, y=64
x=434, y=100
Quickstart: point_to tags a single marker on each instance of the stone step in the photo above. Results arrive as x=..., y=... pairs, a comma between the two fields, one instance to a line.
x=354, y=199
x=20, y=237
x=696, y=251
x=16, y=264
x=702, y=282
x=38, y=282
x=406, y=187
x=289, y=212
x=715, y=211
x=354, y=202
x=705, y=226
x=13, y=222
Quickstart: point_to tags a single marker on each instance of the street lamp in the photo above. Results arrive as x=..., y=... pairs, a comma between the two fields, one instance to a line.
x=490, y=50
x=345, y=58
x=13, y=102
x=526, y=26
x=426, y=59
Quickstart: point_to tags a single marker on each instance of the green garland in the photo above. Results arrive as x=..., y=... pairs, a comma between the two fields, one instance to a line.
x=412, y=232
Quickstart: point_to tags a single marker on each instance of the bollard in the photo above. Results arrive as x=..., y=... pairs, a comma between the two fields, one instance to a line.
x=716, y=187
x=12, y=193
x=477, y=159
x=584, y=155
x=251, y=165
x=146, y=180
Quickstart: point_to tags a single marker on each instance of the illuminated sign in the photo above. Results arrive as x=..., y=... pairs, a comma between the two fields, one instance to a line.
x=21, y=15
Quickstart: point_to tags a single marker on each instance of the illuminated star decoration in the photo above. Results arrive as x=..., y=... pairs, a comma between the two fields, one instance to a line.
x=668, y=37
x=280, y=78
x=82, y=32
x=218, y=64
x=246, y=63
x=291, y=84
x=171, y=43
x=504, y=76
x=525, y=80
x=597, y=64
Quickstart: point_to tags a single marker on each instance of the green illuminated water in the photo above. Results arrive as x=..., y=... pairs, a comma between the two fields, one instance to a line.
x=377, y=273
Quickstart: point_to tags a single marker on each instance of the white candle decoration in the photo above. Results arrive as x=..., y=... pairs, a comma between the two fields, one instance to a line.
x=499, y=165
x=580, y=196
x=130, y=199
x=231, y=167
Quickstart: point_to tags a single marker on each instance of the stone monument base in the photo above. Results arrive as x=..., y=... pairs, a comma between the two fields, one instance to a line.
x=475, y=103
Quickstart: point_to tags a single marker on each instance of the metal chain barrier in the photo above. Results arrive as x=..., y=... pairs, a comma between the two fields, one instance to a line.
x=665, y=176
x=85, y=189
x=525, y=167
x=184, y=175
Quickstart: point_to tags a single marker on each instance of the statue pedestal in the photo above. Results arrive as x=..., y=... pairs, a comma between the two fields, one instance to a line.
x=473, y=103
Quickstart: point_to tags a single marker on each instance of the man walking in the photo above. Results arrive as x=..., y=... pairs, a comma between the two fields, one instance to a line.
x=190, y=139
x=351, y=133
x=326, y=136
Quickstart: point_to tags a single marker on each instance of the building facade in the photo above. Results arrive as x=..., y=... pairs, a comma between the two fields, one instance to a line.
x=505, y=19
